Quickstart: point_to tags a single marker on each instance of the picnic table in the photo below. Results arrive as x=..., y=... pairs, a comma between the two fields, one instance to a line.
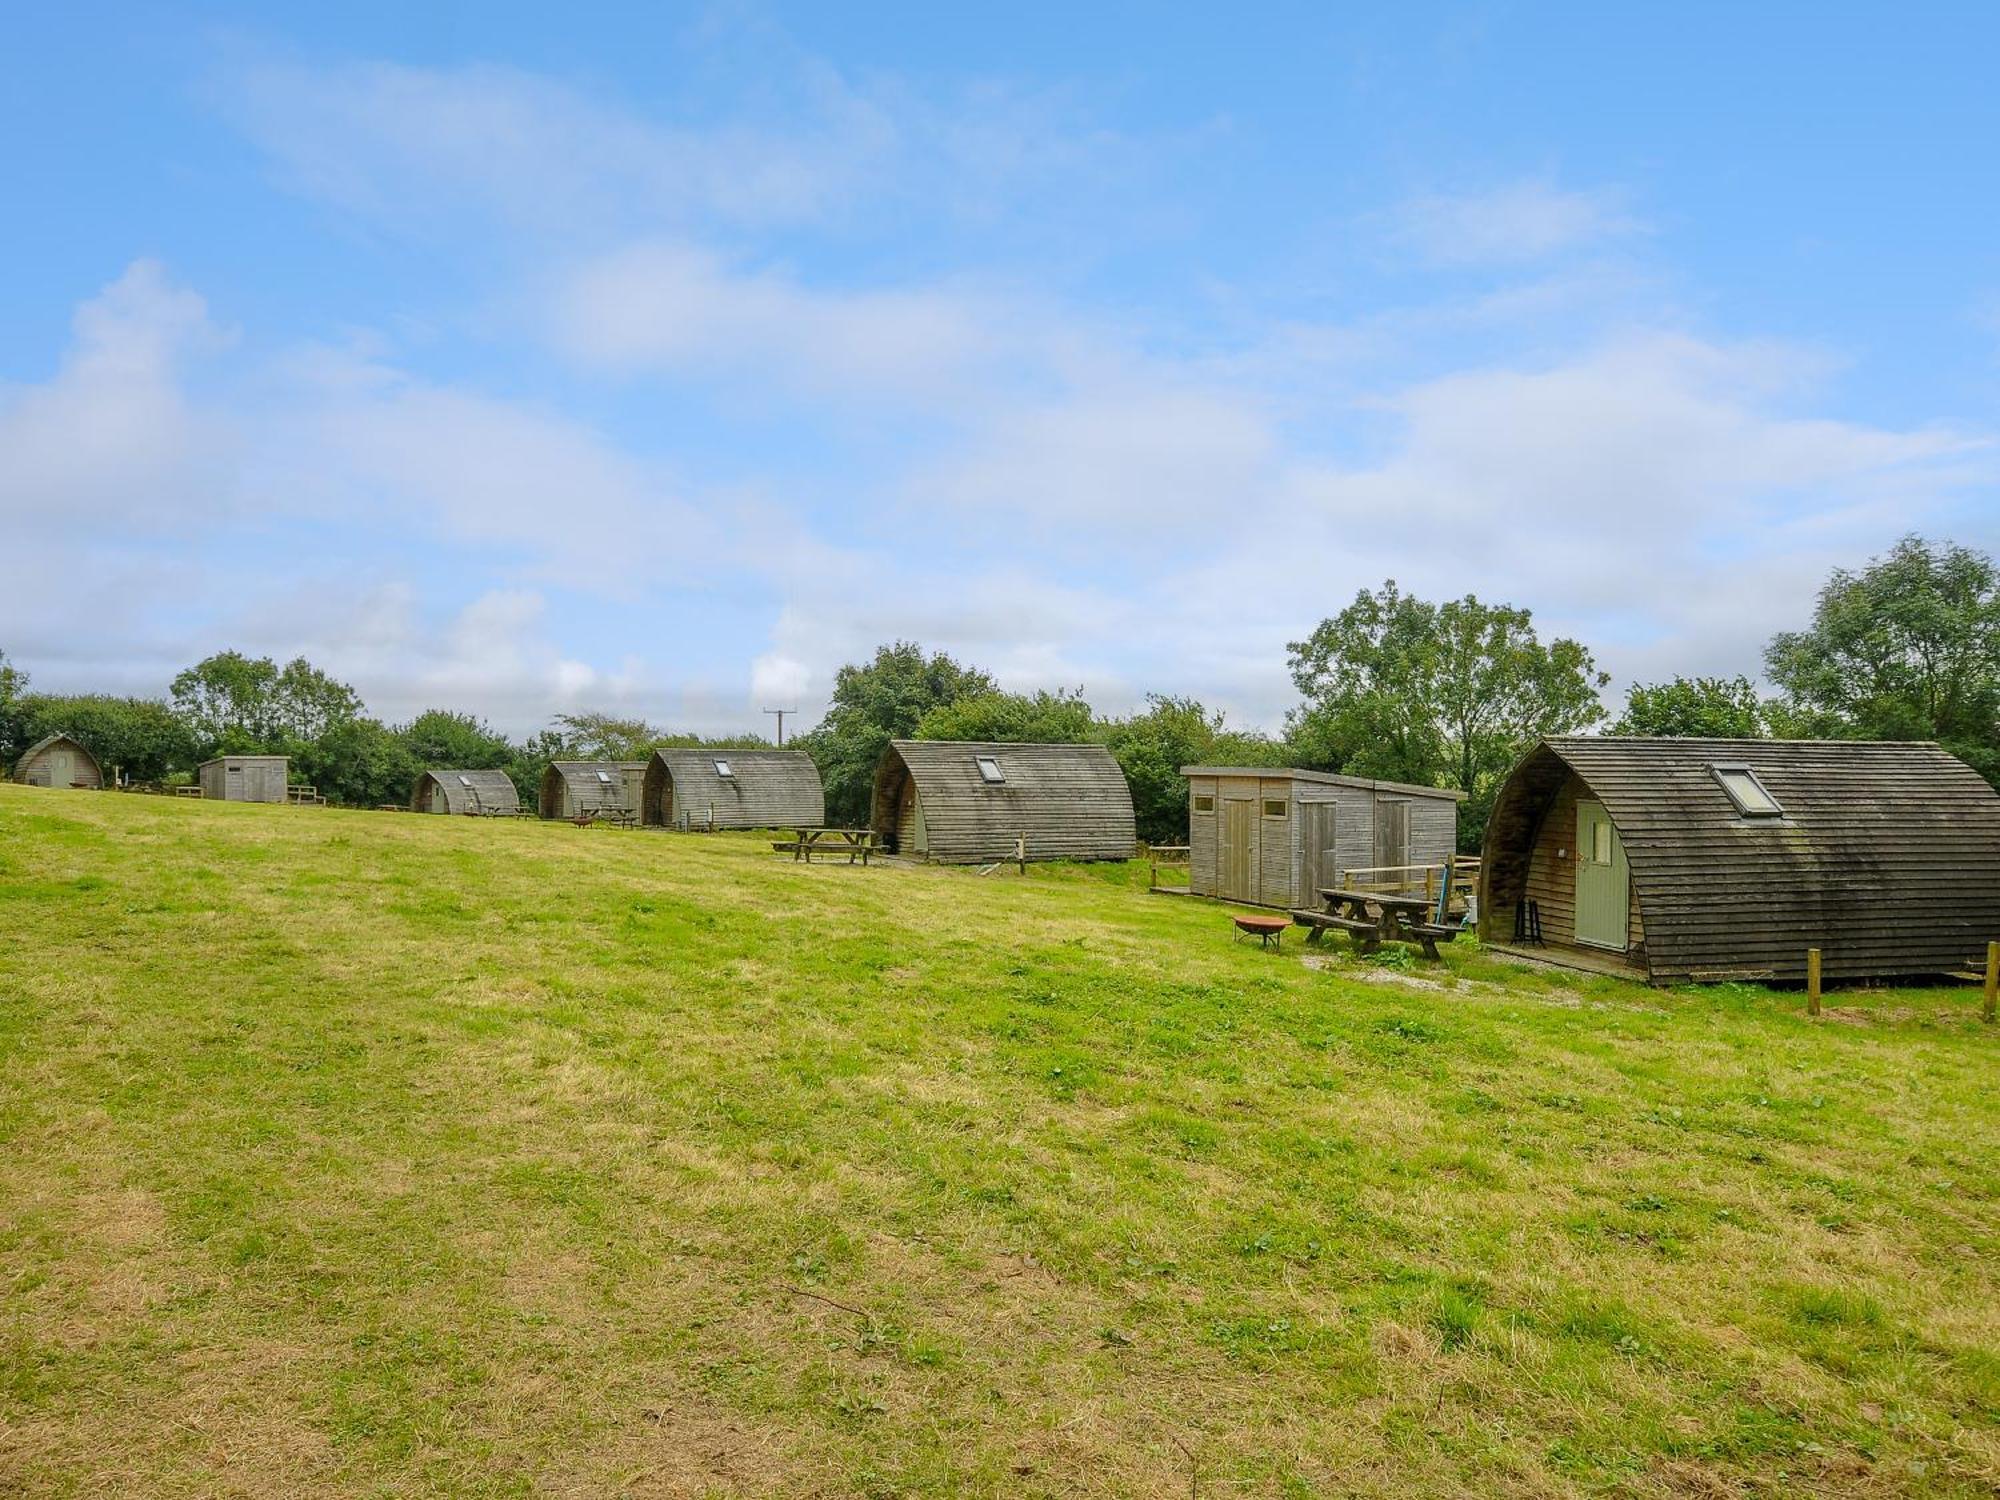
x=1372, y=918
x=855, y=843
x=609, y=812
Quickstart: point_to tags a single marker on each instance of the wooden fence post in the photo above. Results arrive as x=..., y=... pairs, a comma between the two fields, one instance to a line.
x=1021, y=852
x=1992, y=983
x=1812, y=981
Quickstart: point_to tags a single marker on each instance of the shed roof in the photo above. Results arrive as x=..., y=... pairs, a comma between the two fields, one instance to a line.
x=27, y=755
x=1886, y=856
x=216, y=760
x=765, y=788
x=1328, y=778
x=472, y=791
x=1071, y=801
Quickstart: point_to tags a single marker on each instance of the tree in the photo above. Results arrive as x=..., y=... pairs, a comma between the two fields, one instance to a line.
x=873, y=704
x=1436, y=694
x=13, y=683
x=361, y=763
x=1697, y=707
x=1152, y=747
x=1908, y=648
x=1043, y=718
x=232, y=702
x=140, y=737
x=439, y=740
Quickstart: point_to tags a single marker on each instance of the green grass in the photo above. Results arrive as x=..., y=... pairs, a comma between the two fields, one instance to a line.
x=356, y=1154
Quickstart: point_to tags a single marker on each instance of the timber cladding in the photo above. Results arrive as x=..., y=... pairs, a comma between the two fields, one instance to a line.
x=732, y=789
x=58, y=760
x=572, y=788
x=244, y=778
x=1275, y=836
x=1883, y=855
x=474, y=794
x=966, y=802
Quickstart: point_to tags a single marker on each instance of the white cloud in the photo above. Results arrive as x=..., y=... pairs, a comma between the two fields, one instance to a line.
x=111, y=437
x=1514, y=223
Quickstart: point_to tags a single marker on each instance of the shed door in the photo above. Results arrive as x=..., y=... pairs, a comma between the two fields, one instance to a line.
x=1392, y=834
x=1603, y=883
x=1321, y=866
x=1239, y=870
x=232, y=784
x=61, y=768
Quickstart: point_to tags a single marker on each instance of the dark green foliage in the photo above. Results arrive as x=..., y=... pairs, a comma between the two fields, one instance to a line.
x=1044, y=718
x=1436, y=694
x=13, y=683
x=1906, y=649
x=873, y=704
x=140, y=738
x=360, y=764
x=1696, y=707
x=232, y=702
x=1173, y=732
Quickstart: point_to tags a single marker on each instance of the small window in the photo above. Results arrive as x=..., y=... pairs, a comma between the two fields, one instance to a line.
x=1274, y=807
x=989, y=770
x=1600, y=842
x=1747, y=792
x=1204, y=804
x=465, y=781
x=604, y=777
x=722, y=770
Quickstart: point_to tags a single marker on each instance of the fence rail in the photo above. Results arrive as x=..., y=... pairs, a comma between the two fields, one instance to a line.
x=1174, y=857
x=1459, y=876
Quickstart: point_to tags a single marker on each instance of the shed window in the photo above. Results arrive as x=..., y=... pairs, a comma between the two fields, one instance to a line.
x=989, y=770
x=465, y=781
x=1274, y=807
x=722, y=770
x=1204, y=804
x=605, y=777
x=1747, y=792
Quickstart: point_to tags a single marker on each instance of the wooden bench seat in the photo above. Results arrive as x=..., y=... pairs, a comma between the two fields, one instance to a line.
x=1430, y=934
x=1366, y=935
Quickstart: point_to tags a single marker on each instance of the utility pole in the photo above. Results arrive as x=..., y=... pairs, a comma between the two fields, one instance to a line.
x=781, y=712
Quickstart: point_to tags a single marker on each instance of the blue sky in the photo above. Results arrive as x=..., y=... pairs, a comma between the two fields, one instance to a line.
x=525, y=359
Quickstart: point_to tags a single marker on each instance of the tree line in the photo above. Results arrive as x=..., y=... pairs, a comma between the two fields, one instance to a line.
x=1392, y=687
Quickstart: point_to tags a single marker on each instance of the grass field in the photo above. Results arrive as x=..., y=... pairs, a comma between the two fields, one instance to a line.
x=357, y=1154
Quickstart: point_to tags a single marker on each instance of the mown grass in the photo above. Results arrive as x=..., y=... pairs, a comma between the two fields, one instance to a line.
x=356, y=1154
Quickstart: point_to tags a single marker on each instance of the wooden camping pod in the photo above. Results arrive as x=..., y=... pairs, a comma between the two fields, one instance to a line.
x=938, y=799
x=733, y=788
x=579, y=788
x=58, y=760
x=1883, y=855
x=490, y=794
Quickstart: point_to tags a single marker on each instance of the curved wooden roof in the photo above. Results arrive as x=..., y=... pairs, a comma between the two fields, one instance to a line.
x=28, y=757
x=1886, y=858
x=766, y=788
x=1071, y=801
x=589, y=783
x=486, y=792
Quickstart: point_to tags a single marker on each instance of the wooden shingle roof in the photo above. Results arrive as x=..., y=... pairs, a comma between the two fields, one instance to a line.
x=1887, y=856
x=765, y=788
x=1071, y=801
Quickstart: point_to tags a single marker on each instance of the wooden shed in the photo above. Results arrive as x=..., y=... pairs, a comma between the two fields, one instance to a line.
x=477, y=794
x=573, y=788
x=1277, y=837
x=1689, y=859
x=244, y=778
x=732, y=789
x=959, y=802
x=60, y=761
